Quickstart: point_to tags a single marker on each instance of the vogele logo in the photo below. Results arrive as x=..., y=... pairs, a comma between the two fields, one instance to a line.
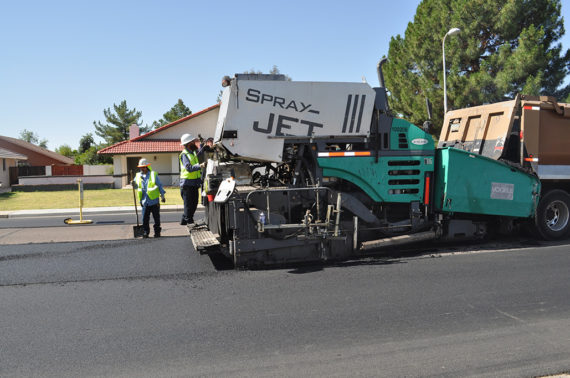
x=419, y=141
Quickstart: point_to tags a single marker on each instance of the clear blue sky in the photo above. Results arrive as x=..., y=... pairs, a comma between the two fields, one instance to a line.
x=63, y=62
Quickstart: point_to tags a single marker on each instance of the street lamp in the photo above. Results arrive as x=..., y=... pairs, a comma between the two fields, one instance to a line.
x=452, y=31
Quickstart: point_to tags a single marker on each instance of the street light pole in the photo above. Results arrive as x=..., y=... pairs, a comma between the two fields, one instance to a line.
x=452, y=31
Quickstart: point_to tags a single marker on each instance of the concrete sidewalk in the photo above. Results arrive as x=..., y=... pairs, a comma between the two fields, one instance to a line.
x=86, y=211
x=82, y=233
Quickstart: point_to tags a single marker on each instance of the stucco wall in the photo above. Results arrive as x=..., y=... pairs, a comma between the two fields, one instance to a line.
x=205, y=125
x=165, y=164
x=97, y=170
x=51, y=180
x=119, y=161
x=162, y=164
x=5, y=165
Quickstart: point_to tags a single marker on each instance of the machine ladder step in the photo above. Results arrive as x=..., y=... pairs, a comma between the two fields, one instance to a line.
x=203, y=240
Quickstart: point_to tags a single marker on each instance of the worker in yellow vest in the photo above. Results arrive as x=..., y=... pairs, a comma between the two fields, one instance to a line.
x=190, y=176
x=149, y=188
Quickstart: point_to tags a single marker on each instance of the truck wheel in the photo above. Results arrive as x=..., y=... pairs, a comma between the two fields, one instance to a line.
x=552, y=220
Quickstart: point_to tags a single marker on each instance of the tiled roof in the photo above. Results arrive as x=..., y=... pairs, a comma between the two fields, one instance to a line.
x=7, y=154
x=37, y=149
x=142, y=146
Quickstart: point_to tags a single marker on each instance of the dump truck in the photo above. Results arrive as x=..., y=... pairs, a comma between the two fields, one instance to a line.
x=317, y=171
x=529, y=133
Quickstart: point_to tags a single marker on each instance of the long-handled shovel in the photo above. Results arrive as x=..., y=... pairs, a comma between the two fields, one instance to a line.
x=138, y=230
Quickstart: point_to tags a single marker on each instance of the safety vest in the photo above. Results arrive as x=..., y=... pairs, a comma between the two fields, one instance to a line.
x=152, y=190
x=184, y=173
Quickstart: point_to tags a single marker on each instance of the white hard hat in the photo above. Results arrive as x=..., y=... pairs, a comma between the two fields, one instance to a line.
x=143, y=163
x=185, y=139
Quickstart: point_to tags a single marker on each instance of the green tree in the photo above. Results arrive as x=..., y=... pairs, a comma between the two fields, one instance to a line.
x=174, y=114
x=91, y=157
x=65, y=150
x=275, y=71
x=505, y=47
x=33, y=138
x=118, y=122
x=85, y=143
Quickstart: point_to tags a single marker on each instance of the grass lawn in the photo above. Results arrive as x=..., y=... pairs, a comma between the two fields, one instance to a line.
x=70, y=199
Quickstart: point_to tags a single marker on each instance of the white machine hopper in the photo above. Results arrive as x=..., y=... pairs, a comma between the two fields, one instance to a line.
x=257, y=115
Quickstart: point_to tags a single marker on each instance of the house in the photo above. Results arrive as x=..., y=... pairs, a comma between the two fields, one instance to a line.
x=37, y=156
x=26, y=156
x=9, y=159
x=161, y=147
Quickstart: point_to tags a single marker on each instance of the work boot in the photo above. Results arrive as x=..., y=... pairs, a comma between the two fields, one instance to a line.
x=145, y=235
x=157, y=232
x=183, y=222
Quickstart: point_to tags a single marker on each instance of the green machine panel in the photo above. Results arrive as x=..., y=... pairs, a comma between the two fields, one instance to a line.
x=474, y=184
x=409, y=137
x=391, y=179
x=405, y=159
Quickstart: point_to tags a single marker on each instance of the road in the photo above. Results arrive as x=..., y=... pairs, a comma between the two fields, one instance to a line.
x=46, y=220
x=156, y=308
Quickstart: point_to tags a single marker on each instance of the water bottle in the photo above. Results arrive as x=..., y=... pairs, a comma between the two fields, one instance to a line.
x=262, y=218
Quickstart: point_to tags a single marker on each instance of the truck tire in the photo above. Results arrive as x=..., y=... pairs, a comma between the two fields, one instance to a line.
x=552, y=221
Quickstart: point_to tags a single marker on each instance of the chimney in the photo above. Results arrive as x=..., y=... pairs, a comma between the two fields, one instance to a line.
x=134, y=131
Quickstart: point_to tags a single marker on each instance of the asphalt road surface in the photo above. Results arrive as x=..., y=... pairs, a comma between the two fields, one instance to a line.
x=156, y=308
x=46, y=220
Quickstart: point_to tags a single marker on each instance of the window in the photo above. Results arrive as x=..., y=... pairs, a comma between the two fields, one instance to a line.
x=4, y=164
